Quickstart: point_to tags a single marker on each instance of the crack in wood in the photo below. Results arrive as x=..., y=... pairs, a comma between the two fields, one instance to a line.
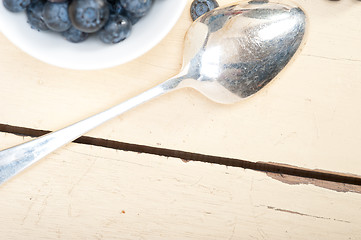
x=333, y=58
x=305, y=215
x=190, y=156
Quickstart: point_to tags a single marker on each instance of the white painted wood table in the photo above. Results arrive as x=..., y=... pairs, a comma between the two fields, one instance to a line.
x=285, y=164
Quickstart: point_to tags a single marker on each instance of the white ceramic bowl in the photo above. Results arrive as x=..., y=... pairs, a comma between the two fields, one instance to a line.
x=92, y=54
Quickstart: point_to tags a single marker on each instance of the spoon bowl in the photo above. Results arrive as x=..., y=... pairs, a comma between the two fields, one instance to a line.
x=230, y=54
x=240, y=48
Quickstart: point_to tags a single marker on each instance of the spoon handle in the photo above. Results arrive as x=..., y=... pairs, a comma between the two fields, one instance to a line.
x=15, y=159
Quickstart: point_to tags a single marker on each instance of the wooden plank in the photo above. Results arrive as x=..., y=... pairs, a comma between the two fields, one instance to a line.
x=308, y=117
x=85, y=192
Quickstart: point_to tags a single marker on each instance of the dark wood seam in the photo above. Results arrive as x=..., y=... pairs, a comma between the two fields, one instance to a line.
x=189, y=156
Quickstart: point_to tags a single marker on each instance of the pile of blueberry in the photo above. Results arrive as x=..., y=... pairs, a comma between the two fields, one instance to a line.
x=112, y=20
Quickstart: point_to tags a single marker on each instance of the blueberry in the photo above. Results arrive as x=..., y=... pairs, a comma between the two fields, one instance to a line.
x=117, y=29
x=34, y=14
x=56, y=16
x=138, y=8
x=132, y=17
x=74, y=35
x=115, y=7
x=89, y=15
x=200, y=7
x=16, y=5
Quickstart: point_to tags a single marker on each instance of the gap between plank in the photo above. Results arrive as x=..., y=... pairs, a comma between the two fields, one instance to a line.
x=190, y=156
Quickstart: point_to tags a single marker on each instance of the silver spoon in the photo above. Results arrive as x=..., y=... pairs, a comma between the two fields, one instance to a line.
x=230, y=53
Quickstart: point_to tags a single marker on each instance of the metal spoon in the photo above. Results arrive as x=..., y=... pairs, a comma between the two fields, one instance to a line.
x=230, y=54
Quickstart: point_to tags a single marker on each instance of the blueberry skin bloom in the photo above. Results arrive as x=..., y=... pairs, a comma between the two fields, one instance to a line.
x=200, y=7
x=56, y=16
x=74, y=35
x=89, y=15
x=34, y=13
x=137, y=8
x=116, y=30
x=16, y=5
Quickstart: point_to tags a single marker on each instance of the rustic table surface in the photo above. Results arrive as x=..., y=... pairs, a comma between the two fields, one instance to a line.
x=285, y=164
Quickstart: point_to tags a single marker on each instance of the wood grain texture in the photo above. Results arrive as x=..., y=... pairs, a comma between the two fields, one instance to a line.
x=309, y=117
x=84, y=192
